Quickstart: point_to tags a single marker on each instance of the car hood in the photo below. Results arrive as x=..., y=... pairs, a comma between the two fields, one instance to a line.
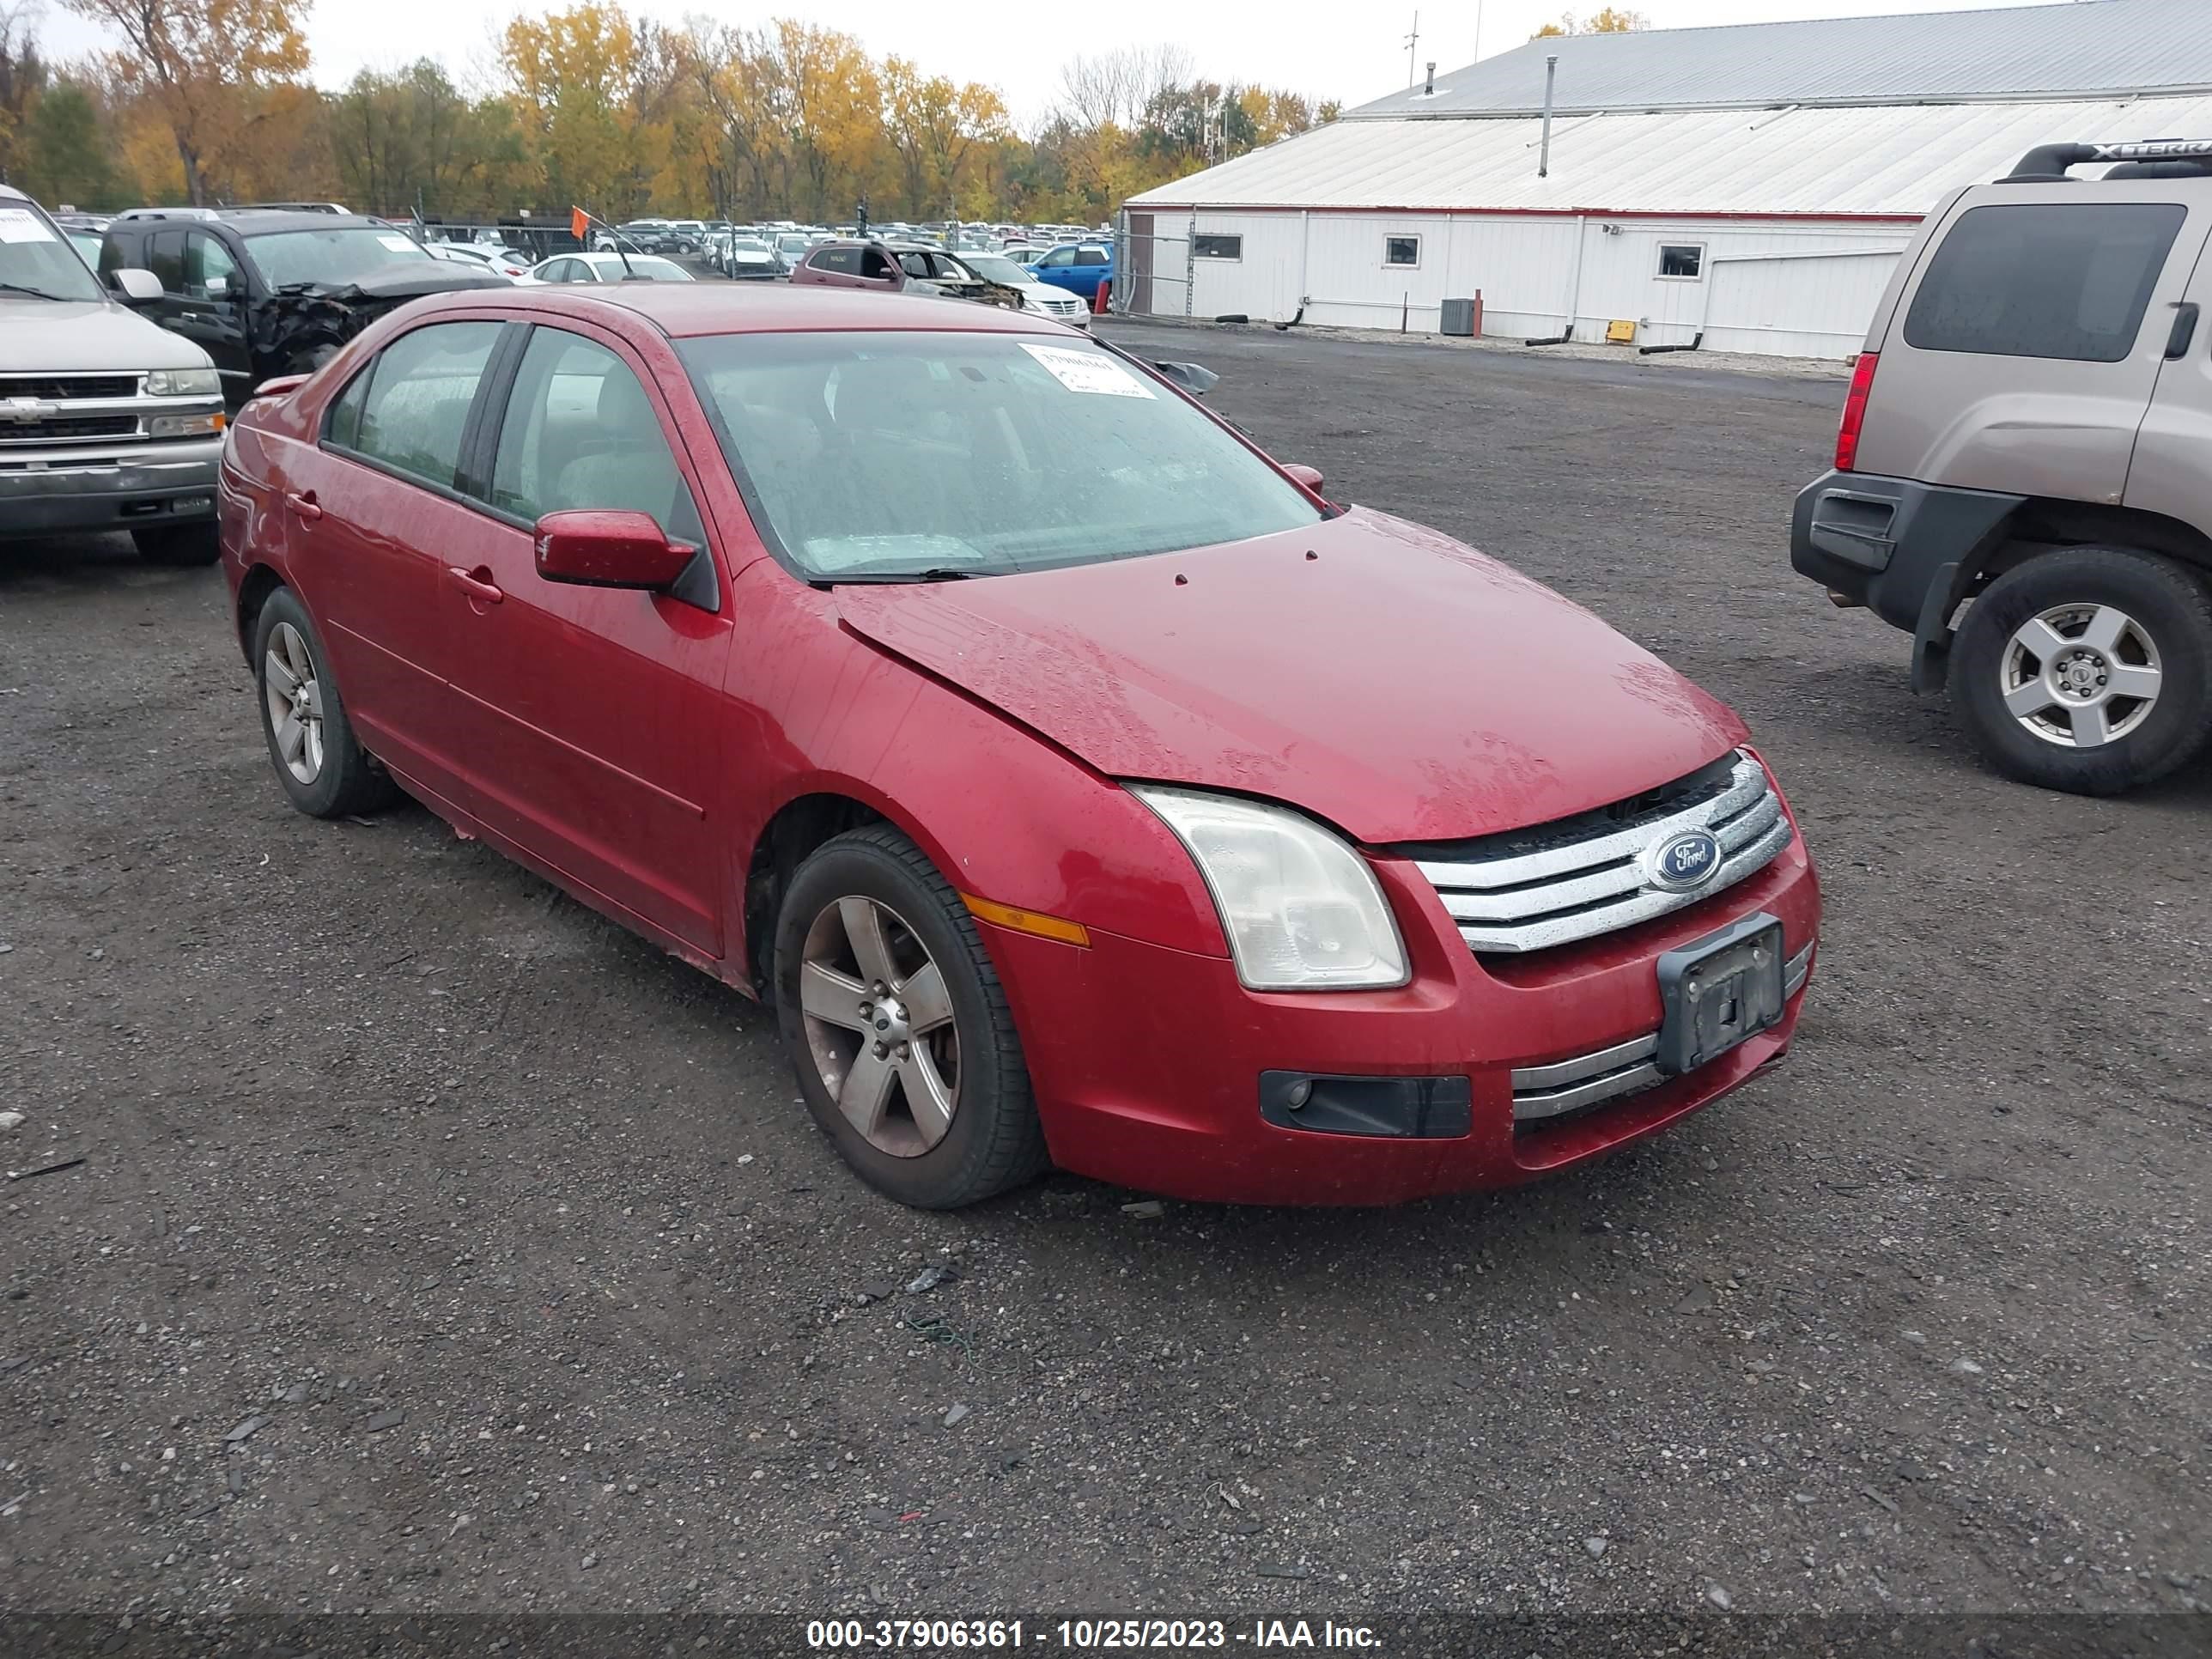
x=1378, y=674
x=89, y=337
x=413, y=278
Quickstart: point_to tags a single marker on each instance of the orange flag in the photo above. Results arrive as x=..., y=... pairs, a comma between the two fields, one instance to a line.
x=580, y=223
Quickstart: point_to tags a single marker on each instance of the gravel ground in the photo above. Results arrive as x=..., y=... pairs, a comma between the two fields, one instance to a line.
x=439, y=1247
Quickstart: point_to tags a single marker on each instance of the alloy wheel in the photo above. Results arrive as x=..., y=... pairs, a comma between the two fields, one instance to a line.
x=294, y=693
x=879, y=1026
x=2081, y=676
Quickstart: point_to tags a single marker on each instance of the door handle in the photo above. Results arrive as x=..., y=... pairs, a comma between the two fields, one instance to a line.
x=2185, y=330
x=476, y=584
x=303, y=503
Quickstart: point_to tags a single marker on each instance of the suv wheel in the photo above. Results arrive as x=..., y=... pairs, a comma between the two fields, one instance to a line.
x=895, y=1018
x=2087, y=671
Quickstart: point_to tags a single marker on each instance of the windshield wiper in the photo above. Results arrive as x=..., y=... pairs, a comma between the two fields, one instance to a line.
x=940, y=573
x=35, y=293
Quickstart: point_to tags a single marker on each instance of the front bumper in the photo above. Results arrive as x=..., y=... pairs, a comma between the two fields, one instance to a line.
x=174, y=484
x=1148, y=1062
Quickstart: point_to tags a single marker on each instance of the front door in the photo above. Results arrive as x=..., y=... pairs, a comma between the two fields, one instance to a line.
x=203, y=298
x=372, y=507
x=590, y=714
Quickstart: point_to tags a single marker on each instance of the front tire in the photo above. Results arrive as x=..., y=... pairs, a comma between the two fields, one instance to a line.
x=2087, y=671
x=183, y=545
x=323, y=771
x=896, y=1020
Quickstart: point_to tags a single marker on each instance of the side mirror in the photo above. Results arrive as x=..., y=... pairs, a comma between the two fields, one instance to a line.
x=136, y=286
x=1193, y=378
x=608, y=547
x=1308, y=476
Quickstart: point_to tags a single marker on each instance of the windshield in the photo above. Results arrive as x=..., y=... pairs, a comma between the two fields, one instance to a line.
x=749, y=245
x=34, y=256
x=332, y=257
x=997, y=268
x=889, y=455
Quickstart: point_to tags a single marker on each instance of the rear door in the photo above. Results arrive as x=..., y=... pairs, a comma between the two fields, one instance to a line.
x=2172, y=469
x=371, y=510
x=591, y=715
x=2024, y=352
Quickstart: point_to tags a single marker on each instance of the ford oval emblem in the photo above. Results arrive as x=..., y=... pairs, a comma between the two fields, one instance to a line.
x=1685, y=861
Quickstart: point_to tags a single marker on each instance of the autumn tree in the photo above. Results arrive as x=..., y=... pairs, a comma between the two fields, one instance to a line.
x=198, y=63
x=1612, y=20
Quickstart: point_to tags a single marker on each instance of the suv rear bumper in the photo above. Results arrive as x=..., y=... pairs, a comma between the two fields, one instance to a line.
x=1889, y=543
x=176, y=486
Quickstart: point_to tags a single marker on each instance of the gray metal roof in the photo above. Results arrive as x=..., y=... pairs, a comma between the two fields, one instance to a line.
x=2071, y=50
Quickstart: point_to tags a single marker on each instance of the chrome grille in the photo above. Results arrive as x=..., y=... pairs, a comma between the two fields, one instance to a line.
x=53, y=387
x=1532, y=890
x=1541, y=1093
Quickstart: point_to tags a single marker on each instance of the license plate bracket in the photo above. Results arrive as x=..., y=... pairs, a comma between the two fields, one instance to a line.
x=1719, y=991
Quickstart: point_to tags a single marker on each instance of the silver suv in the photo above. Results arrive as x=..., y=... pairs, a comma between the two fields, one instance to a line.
x=106, y=422
x=2023, y=478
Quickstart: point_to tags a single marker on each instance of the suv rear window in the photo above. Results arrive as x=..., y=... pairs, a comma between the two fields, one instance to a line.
x=2057, y=280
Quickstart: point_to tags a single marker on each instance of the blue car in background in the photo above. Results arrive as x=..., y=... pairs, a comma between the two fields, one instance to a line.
x=1076, y=267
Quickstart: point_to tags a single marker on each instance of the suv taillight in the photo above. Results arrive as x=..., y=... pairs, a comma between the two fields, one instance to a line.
x=1854, y=403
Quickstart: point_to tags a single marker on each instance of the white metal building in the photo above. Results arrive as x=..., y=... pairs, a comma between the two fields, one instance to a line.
x=1749, y=185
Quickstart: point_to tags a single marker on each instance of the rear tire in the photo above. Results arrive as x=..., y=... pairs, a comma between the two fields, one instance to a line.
x=323, y=771
x=2046, y=652
x=874, y=929
x=178, y=545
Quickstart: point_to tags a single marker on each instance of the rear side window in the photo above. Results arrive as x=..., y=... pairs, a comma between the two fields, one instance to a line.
x=417, y=408
x=2058, y=280
x=844, y=260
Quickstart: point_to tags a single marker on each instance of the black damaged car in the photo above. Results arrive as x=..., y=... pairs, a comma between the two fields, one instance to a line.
x=271, y=293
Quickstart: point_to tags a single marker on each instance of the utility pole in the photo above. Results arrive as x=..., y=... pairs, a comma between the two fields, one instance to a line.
x=1413, y=45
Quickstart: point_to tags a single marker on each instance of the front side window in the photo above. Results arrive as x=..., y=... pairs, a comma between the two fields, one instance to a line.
x=1054, y=258
x=1401, y=251
x=417, y=407
x=1215, y=247
x=882, y=456
x=579, y=431
x=1682, y=261
x=209, y=271
x=2061, y=280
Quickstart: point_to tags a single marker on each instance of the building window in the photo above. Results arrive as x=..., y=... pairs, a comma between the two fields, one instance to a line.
x=1681, y=261
x=1401, y=249
x=1205, y=246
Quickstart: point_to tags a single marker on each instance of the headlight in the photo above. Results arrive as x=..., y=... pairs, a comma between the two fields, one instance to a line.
x=1301, y=909
x=184, y=383
x=183, y=426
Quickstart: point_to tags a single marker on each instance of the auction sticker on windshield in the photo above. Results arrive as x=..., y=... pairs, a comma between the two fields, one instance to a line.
x=21, y=225
x=397, y=244
x=1088, y=371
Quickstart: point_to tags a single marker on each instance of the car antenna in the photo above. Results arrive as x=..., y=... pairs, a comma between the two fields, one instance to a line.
x=579, y=226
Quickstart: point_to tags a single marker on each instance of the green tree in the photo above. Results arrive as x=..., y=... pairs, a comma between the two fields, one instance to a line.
x=68, y=151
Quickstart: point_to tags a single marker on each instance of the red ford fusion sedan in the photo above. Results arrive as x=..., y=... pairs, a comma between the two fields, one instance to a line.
x=1080, y=786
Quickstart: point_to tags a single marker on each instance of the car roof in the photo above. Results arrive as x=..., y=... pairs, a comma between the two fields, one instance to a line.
x=685, y=310
x=261, y=222
x=10, y=193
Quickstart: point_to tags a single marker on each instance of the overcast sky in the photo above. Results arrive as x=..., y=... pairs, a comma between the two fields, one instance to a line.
x=1326, y=48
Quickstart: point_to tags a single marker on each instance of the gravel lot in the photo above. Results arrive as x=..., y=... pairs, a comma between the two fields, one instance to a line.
x=439, y=1247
